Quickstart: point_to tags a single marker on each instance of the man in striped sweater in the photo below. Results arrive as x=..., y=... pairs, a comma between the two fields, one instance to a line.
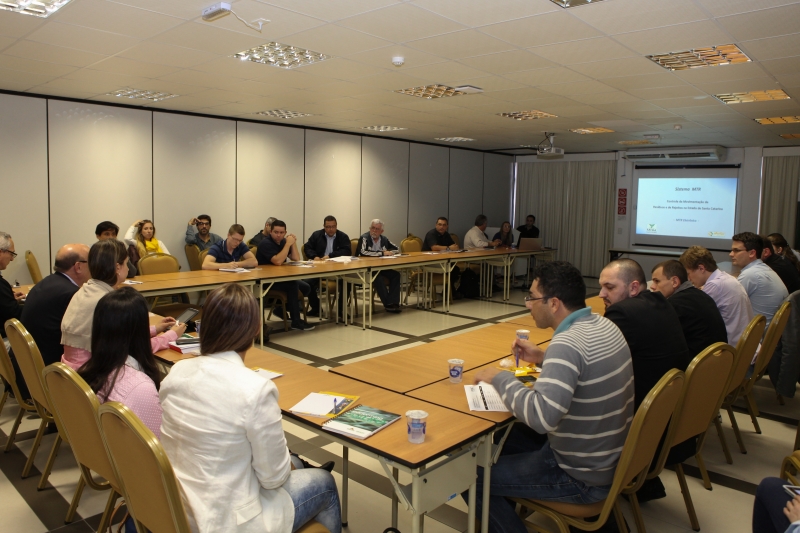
x=582, y=402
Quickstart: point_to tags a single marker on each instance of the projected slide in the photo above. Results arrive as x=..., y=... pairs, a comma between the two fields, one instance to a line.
x=686, y=207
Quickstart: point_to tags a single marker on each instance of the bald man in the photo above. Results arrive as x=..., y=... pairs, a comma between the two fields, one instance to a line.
x=48, y=300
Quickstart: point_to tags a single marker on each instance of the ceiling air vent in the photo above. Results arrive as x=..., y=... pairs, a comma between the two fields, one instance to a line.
x=694, y=153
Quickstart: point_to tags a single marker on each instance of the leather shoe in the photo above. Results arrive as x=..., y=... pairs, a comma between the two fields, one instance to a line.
x=327, y=466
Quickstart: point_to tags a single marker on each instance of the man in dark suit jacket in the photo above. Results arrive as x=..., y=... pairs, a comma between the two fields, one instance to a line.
x=323, y=244
x=48, y=300
x=782, y=267
x=653, y=331
x=700, y=318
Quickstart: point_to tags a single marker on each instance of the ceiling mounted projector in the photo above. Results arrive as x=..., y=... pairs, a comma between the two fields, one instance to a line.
x=545, y=151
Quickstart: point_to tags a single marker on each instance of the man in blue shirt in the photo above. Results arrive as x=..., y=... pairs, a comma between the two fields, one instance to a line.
x=763, y=286
x=198, y=232
x=230, y=252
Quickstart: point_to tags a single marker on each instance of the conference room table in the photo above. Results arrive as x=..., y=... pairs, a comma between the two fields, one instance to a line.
x=526, y=321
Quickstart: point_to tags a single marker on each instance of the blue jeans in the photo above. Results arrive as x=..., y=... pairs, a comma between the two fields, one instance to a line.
x=768, y=506
x=527, y=468
x=315, y=496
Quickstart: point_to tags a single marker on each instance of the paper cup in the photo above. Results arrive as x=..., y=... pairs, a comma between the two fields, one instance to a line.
x=417, y=422
x=456, y=370
x=523, y=334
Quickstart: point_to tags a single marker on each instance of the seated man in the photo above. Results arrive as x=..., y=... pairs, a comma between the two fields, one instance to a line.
x=109, y=230
x=324, y=244
x=583, y=401
x=374, y=244
x=700, y=319
x=476, y=237
x=48, y=300
x=10, y=307
x=230, y=253
x=439, y=239
x=727, y=293
x=528, y=230
x=275, y=251
x=261, y=235
x=762, y=285
x=783, y=267
x=198, y=232
x=655, y=337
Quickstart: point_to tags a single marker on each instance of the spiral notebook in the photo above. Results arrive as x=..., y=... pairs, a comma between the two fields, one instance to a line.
x=324, y=404
x=360, y=421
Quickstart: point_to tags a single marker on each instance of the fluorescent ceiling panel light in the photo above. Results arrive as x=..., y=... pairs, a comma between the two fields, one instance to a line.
x=383, y=128
x=454, y=139
x=527, y=115
x=431, y=91
x=752, y=96
x=469, y=89
x=37, y=8
x=778, y=120
x=574, y=3
x=652, y=136
x=283, y=113
x=790, y=135
x=724, y=54
x=636, y=143
x=584, y=131
x=281, y=55
x=141, y=94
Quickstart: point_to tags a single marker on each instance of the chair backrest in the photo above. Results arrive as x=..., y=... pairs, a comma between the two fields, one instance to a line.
x=701, y=397
x=253, y=249
x=30, y=361
x=771, y=338
x=353, y=246
x=202, y=257
x=76, y=406
x=158, y=264
x=745, y=350
x=143, y=468
x=193, y=256
x=33, y=266
x=645, y=433
x=456, y=239
x=7, y=372
x=303, y=253
x=410, y=244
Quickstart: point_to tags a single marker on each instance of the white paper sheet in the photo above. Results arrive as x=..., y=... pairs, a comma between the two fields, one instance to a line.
x=484, y=397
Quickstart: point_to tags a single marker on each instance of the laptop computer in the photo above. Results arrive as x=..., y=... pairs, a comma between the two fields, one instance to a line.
x=533, y=245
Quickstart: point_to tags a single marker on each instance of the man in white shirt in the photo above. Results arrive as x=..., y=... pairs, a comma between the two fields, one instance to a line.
x=727, y=292
x=476, y=237
x=763, y=286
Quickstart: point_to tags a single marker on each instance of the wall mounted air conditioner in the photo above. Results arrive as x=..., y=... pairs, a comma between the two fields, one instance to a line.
x=678, y=155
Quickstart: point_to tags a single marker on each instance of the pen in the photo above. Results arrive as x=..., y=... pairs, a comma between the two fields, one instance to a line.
x=334, y=406
x=516, y=356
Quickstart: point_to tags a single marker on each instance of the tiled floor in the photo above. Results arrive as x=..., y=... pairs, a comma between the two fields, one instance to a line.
x=728, y=507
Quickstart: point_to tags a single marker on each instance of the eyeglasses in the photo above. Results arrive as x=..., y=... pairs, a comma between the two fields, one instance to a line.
x=13, y=254
x=204, y=223
x=532, y=299
x=736, y=250
x=81, y=261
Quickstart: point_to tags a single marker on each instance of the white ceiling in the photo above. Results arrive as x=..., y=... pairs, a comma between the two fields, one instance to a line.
x=584, y=64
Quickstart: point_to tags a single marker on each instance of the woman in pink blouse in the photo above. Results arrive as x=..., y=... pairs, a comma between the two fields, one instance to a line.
x=122, y=367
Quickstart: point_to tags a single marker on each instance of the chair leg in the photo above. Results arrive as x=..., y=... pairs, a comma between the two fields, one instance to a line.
x=50, y=460
x=701, y=464
x=781, y=400
x=637, y=513
x=36, y=442
x=5, y=395
x=106, y=519
x=723, y=442
x=76, y=499
x=752, y=408
x=687, y=498
x=14, y=428
x=735, y=426
x=623, y=527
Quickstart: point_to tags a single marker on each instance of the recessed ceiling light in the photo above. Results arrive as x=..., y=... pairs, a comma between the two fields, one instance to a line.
x=752, y=96
x=724, y=54
x=574, y=3
x=454, y=139
x=141, y=94
x=37, y=8
x=790, y=135
x=383, y=128
x=283, y=113
x=527, y=115
x=281, y=55
x=469, y=89
x=584, y=131
x=636, y=143
x=778, y=120
x=431, y=91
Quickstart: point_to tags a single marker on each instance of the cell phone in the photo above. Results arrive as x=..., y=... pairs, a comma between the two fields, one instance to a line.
x=187, y=315
x=526, y=379
x=793, y=490
x=185, y=340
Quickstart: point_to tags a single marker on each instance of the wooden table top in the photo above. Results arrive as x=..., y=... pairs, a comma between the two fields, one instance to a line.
x=595, y=302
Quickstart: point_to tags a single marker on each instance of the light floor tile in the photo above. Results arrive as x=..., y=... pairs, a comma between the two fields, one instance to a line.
x=459, y=332
x=334, y=341
x=383, y=352
x=483, y=309
x=15, y=515
x=417, y=322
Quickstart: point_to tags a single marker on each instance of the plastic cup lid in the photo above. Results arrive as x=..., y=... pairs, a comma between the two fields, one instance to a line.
x=416, y=414
x=456, y=361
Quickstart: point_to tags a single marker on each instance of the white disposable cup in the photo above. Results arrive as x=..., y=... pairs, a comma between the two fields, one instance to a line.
x=523, y=334
x=456, y=370
x=417, y=422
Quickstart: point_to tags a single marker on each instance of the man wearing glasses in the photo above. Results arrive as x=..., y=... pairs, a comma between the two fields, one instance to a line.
x=230, y=253
x=10, y=306
x=198, y=232
x=763, y=286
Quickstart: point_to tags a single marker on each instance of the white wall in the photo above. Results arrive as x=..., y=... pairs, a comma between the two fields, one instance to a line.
x=497, y=188
x=23, y=180
x=427, y=187
x=384, y=187
x=466, y=186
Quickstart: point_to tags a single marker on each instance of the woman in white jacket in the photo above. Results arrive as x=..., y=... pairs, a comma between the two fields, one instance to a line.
x=221, y=428
x=142, y=234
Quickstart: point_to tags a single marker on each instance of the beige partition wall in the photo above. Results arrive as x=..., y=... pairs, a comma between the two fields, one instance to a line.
x=497, y=174
x=23, y=180
x=269, y=172
x=194, y=172
x=100, y=169
x=466, y=190
x=333, y=181
x=427, y=187
x=384, y=186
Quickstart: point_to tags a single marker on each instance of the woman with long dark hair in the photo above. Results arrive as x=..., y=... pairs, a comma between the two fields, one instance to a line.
x=782, y=248
x=122, y=367
x=142, y=234
x=505, y=235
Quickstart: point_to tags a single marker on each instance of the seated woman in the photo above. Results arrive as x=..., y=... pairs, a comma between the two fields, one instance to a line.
x=222, y=432
x=108, y=266
x=505, y=235
x=123, y=368
x=142, y=234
